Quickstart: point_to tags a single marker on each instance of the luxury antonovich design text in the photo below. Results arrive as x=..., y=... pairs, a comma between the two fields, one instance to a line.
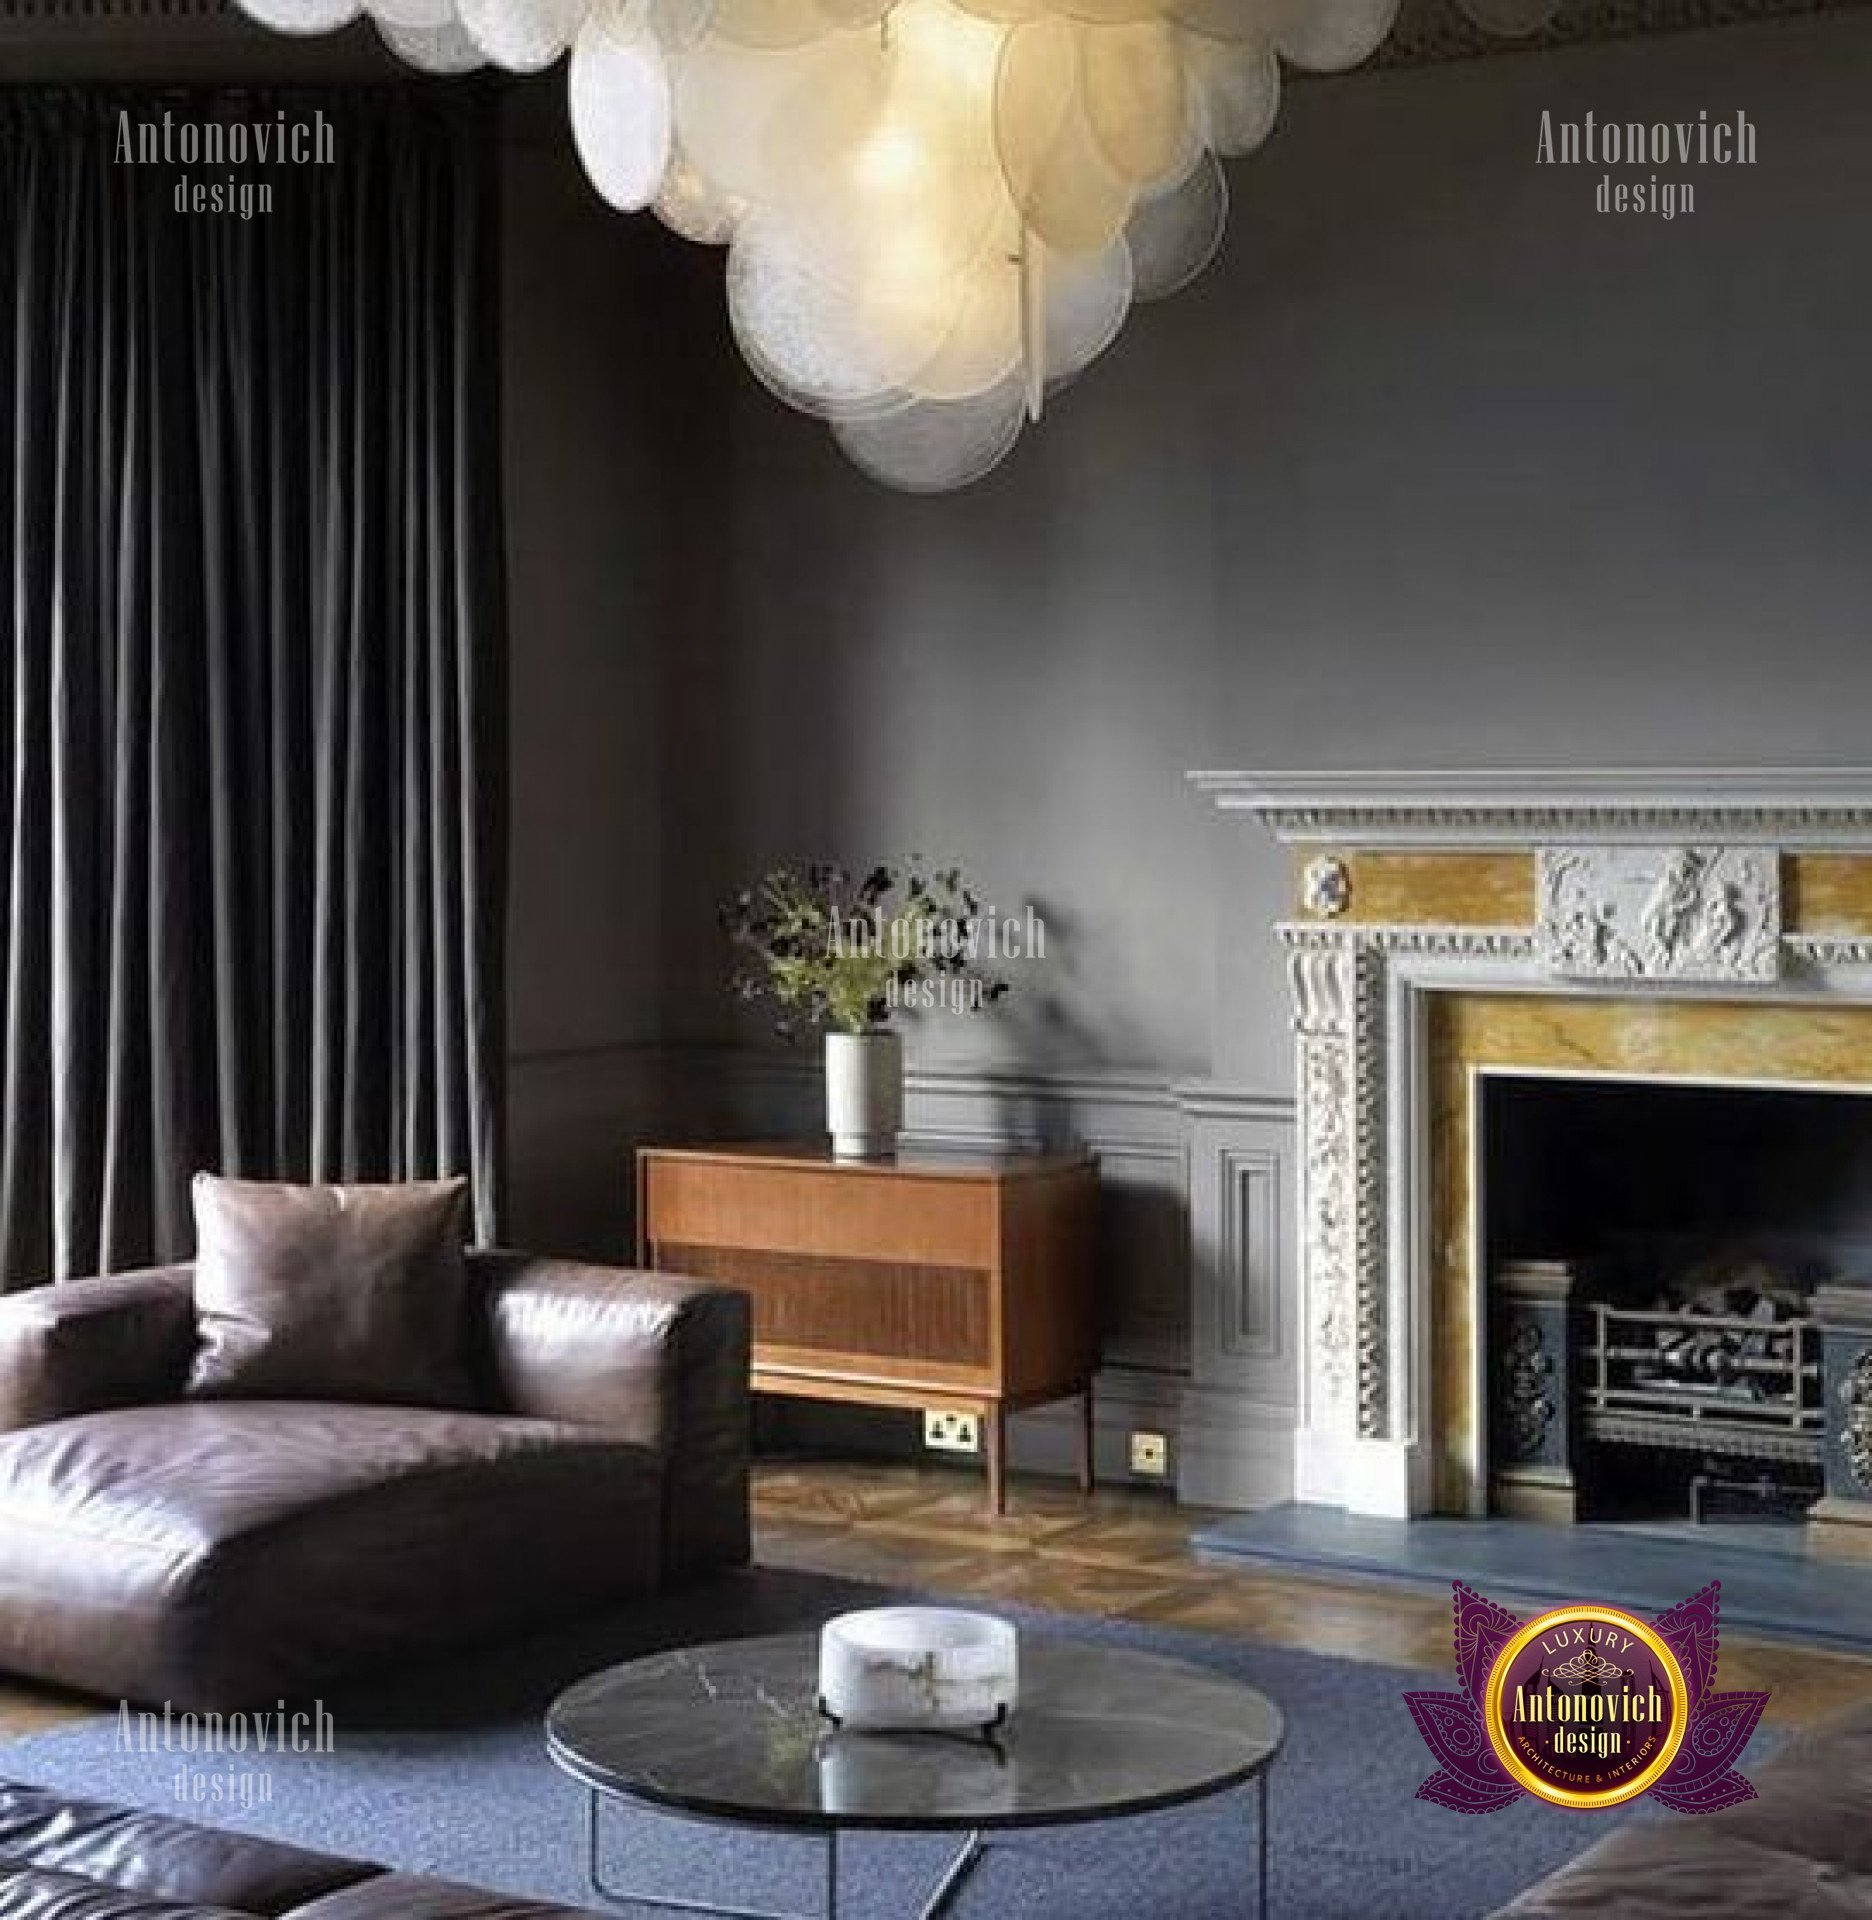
x=1711, y=925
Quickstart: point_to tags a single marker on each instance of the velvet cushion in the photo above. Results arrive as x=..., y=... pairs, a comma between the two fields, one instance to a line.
x=331, y=1293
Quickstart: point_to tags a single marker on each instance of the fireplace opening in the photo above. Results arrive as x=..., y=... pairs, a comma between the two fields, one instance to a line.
x=1652, y=1249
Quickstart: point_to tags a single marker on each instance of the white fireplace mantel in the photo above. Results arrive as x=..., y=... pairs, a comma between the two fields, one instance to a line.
x=1666, y=884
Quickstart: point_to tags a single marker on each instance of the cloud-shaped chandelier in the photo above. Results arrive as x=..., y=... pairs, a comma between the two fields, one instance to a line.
x=937, y=212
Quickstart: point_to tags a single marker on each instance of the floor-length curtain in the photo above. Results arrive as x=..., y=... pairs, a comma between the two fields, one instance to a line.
x=251, y=804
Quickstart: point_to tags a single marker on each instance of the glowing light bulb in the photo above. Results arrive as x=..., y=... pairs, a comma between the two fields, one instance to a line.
x=891, y=161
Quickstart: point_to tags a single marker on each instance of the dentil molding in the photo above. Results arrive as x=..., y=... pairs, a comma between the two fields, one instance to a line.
x=1767, y=806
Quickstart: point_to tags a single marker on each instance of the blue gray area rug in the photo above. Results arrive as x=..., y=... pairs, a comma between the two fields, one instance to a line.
x=443, y=1771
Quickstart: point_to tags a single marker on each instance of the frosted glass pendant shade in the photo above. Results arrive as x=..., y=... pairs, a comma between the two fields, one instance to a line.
x=524, y=36
x=618, y=90
x=1330, y=38
x=302, y=16
x=935, y=446
x=443, y=47
x=415, y=16
x=1234, y=91
x=1174, y=235
x=937, y=213
x=1132, y=85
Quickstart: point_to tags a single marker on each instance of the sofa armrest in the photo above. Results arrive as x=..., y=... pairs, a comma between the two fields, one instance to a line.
x=657, y=1359
x=80, y=1346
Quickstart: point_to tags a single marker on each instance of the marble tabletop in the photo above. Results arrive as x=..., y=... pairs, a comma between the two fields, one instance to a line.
x=733, y=1731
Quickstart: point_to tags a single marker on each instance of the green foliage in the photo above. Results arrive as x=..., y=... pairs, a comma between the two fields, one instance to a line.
x=833, y=951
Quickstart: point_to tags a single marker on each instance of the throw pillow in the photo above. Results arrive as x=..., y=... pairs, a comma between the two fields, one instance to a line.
x=331, y=1292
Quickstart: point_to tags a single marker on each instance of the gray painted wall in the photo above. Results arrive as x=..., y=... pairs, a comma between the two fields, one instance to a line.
x=1438, y=465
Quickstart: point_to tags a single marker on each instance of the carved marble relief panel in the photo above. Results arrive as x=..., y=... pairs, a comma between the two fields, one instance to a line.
x=1692, y=914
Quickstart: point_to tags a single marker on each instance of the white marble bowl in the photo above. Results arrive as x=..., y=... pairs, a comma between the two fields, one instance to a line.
x=908, y=1669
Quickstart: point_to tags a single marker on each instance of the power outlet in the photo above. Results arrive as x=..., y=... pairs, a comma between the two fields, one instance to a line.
x=1150, y=1455
x=946, y=1432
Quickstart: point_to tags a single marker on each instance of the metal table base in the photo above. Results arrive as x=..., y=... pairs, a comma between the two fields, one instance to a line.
x=954, y=1876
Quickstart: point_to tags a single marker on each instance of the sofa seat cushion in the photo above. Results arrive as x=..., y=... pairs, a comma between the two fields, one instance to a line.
x=159, y=1858
x=66, y=1859
x=37, y=1893
x=215, y=1555
x=402, y=1896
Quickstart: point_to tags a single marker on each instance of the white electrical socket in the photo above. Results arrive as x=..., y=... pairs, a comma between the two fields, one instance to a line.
x=1150, y=1454
x=947, y=1432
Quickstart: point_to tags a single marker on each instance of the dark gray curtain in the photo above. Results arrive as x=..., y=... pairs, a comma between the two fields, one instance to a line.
x=251, y=806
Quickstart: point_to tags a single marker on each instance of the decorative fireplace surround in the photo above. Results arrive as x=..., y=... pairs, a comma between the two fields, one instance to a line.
x=1690, y=925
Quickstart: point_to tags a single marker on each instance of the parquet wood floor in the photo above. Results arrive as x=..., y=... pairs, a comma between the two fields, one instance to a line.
x=1125, y=1554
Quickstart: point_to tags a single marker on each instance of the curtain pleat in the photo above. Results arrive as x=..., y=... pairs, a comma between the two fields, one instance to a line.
x=251, y=793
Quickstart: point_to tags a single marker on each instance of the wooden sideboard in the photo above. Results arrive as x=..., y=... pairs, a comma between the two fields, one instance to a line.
x=934, y=1280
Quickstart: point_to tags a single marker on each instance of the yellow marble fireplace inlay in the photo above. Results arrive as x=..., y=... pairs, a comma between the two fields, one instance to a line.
x=1471, y=889
x=1470, y=1035
x=1821, y=893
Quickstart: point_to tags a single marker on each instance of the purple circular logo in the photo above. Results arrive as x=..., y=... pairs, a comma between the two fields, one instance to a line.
x=1586, y=1706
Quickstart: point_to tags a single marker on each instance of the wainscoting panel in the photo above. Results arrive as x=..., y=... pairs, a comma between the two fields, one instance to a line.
x=1242, y=1279
x=1238, y=1405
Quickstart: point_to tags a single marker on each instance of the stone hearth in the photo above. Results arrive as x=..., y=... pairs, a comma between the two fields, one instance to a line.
x=1691, y=926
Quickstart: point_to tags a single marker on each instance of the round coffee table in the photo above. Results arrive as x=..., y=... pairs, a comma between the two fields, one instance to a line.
x=731, y=1733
